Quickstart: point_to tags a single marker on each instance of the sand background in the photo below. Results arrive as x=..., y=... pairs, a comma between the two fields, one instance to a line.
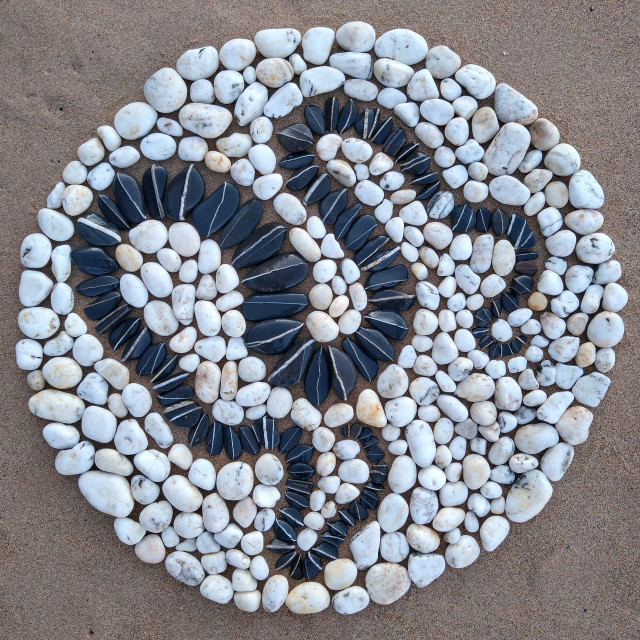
x=571, y=573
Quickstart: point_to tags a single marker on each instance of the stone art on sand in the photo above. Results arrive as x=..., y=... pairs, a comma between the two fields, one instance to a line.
x=381, y=326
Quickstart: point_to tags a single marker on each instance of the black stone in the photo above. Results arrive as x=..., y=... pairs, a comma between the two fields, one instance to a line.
x=241, y=224
x=390, y=323
x=165, y=369
x=429, y=191
x=392, y=299
x=381, y=259
x=284, y=531
x=395, y=141
x=170, y=382
x=369, y=499
x=347, y=518
x=296, y=569
x=296, y=500
x=137, y=345
x=379, y=472
x=348, y=115
x=343, y=373
x=175, y=395
x=345, y=220
x=463, y=218
x=302, y=178
x=286, y=559
x=367, y=366
x=129, y=197
x=485, y=342
x=103, y=305
x=249, y=441
x=520, y=233
x=369, y=248
x=496, y=308
x=495, y=350
x=277, y=274
x=97, y=286
x=263, y=243
x=375, y=345
x=97, y=231
x=387, y=278
x=113, y=319
x=382, y=132
x=526, y=267
x=352, y=430
x=312, y=565
x=278, y=546
x=198, y=434
x=415, y=163
x=151, y=359
x=521, y=284
x=358, y=511
x=326, y=550
x=300, y=453
x=426, y=178
x=331, y=539
x=332, y=205
x=93, y=261
x=232, y=444
x=267, y=306
x=184, y=415
x=301, y=486
x=295, y=138
x=526, y=255
x=406, y=150
x=499, y=222
x=337, y=528
x=112, y=213
x=297, y=160
x=367, y=122
x=301, y=471
x=318, y=377
x=318, y=189
x=479, y=332
x=290, y=369
x=314, y=119
x=483, y=220
x=266, y=433
x=292, y=515
x=289, y=438
x=375, y=454
x=154, y=184
x=214, y=212
x=215, y=439
x=331, y=112
x=124, y=332
x=272, y=336
x=483, y=316
x=359, y=232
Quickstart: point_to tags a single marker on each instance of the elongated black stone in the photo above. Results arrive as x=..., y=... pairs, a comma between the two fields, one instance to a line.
x=266, y=432
x=154, y=184
x=170, y=383
x=485, y=342
x=521, y=284
x=483, y=220
x=249, y=441
x=358, y=511
x=369, y=248
x=241, y=224
x=426, y=178
x=263, y=243
x=296, y=569
x=198, y=433
x=215, y=439
x=375, y=345
x=113, y=319
x=406, y=150
x=483, y=316
x=137, y=345
x=331, y=113
x=345, y=220
x=343, y=373
x=367, y=122
x=112, y=213
x=359, y=232
x=429, y=191
x=382, y=131
x=375, y=454
x=301, y=471
x=290, y=369
x=293, y=516
x=286, y=559
x=312, y=565
x=379, y=472
x=278, y=546
x=178, y=394
x=300, y=453
x=527, y=267
x=390, y=323
x=216, y=210
x=337, y=528
x=331, y=539
x=166, y=368
x=315, y=119
x=184, y=415
x=367, y=366
x=526, y=255
x=277, y=274
x=496, y=308
x=332, y=205
x=463, y=218
x=103, y=305
x=369, y=499
x=520, y=233
x=386, y=278
x=124, y=332
x=318, y=377
x=352, y=430
x=297, y=137
x=415, y=163
x=272, y=336
x=301, y=486
x=97, y=231
x=297, y=160
x=495, y=350
x=97, y=286
x=151, y=359
x=395, y=141
x=348, y=115
x=93, y=261
x=381, y=259
x=302, y=178
x=499, y=222
x=267, y=306
x=289, y=438
x=319, y=189
x=129, y=197
x=284, y=531
x=479, y=332
x=232, y=444
x=346, y=517
x=296, y=500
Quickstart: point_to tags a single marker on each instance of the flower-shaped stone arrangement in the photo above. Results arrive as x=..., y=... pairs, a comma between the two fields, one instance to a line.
x=367, y=343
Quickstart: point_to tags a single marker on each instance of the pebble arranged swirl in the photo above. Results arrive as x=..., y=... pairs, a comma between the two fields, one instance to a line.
x=326, y=359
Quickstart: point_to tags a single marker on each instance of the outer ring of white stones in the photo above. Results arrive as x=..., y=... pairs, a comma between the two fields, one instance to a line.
x=523, y=143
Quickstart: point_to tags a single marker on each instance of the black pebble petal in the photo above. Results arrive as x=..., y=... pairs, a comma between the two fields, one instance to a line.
x=375, y=345
x=267, y=306
x=483, y=220
x=124, y=332
x=215, y=439
x=277, y=274
x=272, y=336
x=318, y=189
x=151, y=359
x=295, y=138
x=97, y=286
x=345, y=220
x=314, y=119
x=297, y=160
x=290, y=369
x=198, y=434
x=381, y=259
x=386, y=278
x=390, y=323
x=318, y=377
x=333, y=205
x=241, y=224
x=499, y=222
x=171, y=382
x=166, y=368
x=184, y=415
x=426, y=178
x=103, y=305
x=249, y=441
x=112, y=213
x=266, y=432
x=175, y=395
x=93, y=261
x=382, y=131
x=429, y=191
x=367, y=122
x=331, y=113
x=113, y=319
x=367, y=366
x=300, y=453
x=97, y=231
x=312, y=565
x=129, y=197
x=154, y=184
x=137, y=345
x=302, y=178
x=370, y=247
x=520, y=233
x=395, y=141
x=284, y=531
x=216, y=210
x=232, y=444
x=415, y=163
x=289, y=438
x=463, y=218
x=301, y=471
x=343, y=373
x=263, y=243
x=348, y=115
x=359, y=232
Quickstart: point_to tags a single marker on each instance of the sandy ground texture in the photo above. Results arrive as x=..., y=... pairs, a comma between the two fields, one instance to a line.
x=572, y=572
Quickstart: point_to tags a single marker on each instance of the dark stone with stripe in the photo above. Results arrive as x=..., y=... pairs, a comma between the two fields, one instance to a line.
x=267, y=306
x=171, y=382
x=367, y=366
x=374, y=486
x=290, y=369
x=296, y=500
x=331, y=539
x=499, y=222
x=151, y=359
x=154, y=184
x=352, y=430
x=429, y=191
x=485, y=342
x=332, y=205
x=295, y=138
x=184, y=415
x=284, y=531
x=95, y=230
x=301, y=471
x=369, y=248
x=515, y=346
x=526, y=255
x=483, y=316
x=495, y=350
x=521, y=284
x=300, y=453
x=278, y=546
x=137, y=345
x=375, y=345
x=129, y=197
x=293, y=516
x=272, y=336
x=166, y=368
x=263, y=243
x=301, y=486
x=343, y=373
x=526, y=267
x=315, y=119
x=302, y=178
x=232, y=444
x=381, y=259
x=345, y=220
x=479, y=332
x=483, y=220
x=112, y=213
x=297, y=160
x=367, y=122
x=360, y=231
x=113, y=319
x=124, y=332
x=358, y=511
x=390, y=323
x=379, y=473
x=394, y=142
x=382, y=132
x=241, y=224
x=426, y=178
x=331, y=113
x=312, y=565
x=392, y=300
x=103, y=305
x=198, y=434
x=365, y=434
x=286, y=559
x=184, y=193
x=326, y=550
x=215, y=439
x=337, y=528
x=289, y=438
x=520, y=233
x=214, y=212
x=318, y=377
x=266, y=433
x=387, y=278
x=375, y=454
x=296, y=569
x=496, y=308
x=318, y=189
x=415, y=163
x=348, y=115
x=277, y=274
x=249, y=441
x=97, y=286
x=346, y=517
x=175, y=395
x=463, y=218
x=93, y=261
x=406, y=150
x=369, y=499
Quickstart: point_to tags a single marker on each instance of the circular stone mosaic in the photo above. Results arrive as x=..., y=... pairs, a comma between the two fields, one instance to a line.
x=375, y=328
